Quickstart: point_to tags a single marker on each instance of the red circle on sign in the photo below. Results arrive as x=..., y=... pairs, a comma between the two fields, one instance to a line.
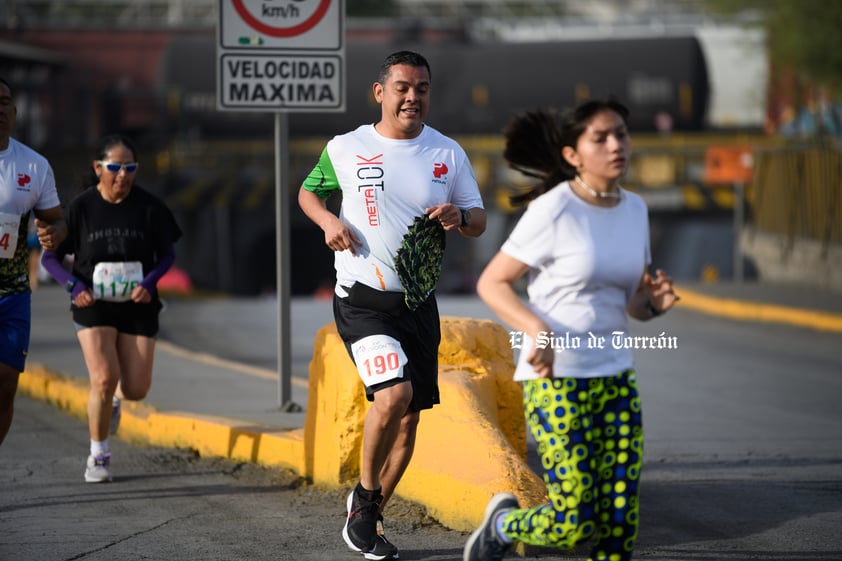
x=302, y=27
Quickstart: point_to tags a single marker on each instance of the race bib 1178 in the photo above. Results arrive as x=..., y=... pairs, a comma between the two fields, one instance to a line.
x=115, y=281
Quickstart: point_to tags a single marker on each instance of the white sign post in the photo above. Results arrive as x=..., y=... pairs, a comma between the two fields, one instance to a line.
x=281, y=56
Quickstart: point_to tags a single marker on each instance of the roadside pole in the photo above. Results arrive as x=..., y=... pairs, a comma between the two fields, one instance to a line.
x=734, y=166
x=282, y=260
x=739, y=220
x=281, y=59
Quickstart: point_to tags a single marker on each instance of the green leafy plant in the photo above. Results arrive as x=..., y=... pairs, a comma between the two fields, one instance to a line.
x=418, y=260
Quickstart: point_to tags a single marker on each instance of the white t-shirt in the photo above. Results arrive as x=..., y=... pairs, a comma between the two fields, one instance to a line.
x=385, y=184
x=585, y=263
x=26, y=182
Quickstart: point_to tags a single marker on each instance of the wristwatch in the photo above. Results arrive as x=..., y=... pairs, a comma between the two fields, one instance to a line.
x=466, y=218
x=71, y=284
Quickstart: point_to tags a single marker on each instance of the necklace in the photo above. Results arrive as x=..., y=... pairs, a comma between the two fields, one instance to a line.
x=597, y=194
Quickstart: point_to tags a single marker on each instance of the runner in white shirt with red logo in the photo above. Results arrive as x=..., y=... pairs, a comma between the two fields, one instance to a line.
x=404, y=185
x=27, y=185
x=386, y=184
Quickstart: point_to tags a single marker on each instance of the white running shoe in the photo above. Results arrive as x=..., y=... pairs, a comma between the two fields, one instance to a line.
x=98, y=469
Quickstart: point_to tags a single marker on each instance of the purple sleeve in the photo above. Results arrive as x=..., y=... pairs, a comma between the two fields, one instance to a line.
x=159, y=270
x=56, y=268
x=78, y=289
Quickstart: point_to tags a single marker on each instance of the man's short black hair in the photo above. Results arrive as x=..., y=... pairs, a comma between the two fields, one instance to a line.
x=409, y=58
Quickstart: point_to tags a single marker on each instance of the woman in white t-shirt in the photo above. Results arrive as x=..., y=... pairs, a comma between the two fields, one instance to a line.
x=584, y=242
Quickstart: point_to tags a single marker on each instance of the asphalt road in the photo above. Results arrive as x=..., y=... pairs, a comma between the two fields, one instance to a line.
x=171, y=505
x=743, y=461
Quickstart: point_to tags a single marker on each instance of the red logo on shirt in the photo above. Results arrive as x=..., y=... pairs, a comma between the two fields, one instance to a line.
x=439, y=169
x=23, y=179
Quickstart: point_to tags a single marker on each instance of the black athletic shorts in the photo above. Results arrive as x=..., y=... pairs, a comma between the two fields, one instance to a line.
x=367, y=311
x=125, y=317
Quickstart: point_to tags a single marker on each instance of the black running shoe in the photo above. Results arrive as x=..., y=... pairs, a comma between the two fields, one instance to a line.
x=361, y=529
x=381, y=550
x=384, y=546
x=484, y=544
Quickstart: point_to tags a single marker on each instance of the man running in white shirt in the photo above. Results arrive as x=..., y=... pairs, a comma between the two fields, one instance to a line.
x=404, y=185
x=27, y=185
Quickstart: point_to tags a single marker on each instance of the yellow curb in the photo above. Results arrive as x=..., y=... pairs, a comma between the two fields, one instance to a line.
x=143, y=424
x=67, y=394
x=770, y=313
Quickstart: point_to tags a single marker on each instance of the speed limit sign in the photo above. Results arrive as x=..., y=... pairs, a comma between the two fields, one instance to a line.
x=281, y=55
x=291, y=24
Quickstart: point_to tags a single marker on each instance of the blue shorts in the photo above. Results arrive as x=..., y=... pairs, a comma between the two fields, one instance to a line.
x=15, y=323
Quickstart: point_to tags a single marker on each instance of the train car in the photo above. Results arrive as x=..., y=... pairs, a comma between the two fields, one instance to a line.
x=738, y=75
x=477, y=86
x=30, y=71
x=476, y=90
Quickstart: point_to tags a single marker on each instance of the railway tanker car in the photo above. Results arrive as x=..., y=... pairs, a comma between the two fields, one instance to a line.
x=477, y=87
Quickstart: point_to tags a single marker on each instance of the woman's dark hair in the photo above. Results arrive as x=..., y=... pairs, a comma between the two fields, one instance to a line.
x=105, y=144
x=535, y=139
x=408, y=58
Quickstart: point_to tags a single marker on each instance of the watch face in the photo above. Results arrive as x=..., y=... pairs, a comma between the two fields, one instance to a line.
x=466, y=217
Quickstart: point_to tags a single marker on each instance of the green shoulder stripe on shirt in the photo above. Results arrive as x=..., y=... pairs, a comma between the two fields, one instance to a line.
x=322, y=180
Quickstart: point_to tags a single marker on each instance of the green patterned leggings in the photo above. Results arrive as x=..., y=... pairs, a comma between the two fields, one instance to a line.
x=590, y=441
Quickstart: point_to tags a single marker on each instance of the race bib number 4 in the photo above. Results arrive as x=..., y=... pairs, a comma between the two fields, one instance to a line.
x=9, y=225
x=115, y=281
x=379, y=358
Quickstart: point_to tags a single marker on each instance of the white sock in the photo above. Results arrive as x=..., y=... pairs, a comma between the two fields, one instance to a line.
x=99, y=448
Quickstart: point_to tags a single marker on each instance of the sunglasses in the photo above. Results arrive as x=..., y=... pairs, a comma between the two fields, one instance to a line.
x=115, y=168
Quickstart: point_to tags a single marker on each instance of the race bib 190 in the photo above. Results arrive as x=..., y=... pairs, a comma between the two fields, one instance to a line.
x=115, y=281
x=9, y=226
x=379, y=358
